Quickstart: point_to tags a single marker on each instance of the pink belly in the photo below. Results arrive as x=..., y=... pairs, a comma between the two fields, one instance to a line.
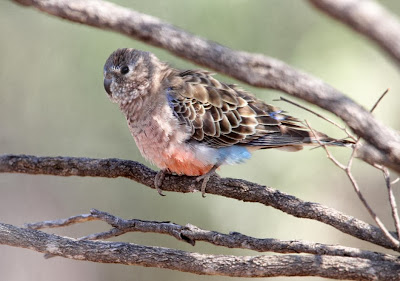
x=184, y=162
x=168, y=152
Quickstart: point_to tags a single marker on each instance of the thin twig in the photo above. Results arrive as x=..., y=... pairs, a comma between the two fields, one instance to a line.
x=328, y=153
x=354, y=183
x=344, y=129
x=392, y=200
x=190, y=234
x=386, y=175
x=347, y=169
x=379, y=100
x=61, y=222
x=365, y=203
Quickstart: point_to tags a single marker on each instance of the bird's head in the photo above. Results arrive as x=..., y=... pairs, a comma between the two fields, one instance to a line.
x=127, y=75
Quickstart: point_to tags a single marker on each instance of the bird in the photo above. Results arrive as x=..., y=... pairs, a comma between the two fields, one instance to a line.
x=186, y=122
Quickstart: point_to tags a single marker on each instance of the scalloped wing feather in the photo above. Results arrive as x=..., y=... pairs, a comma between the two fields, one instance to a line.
x=223, y=115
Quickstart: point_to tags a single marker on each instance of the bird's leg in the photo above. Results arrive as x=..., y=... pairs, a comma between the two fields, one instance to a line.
x=158, y=180
x=206, y=178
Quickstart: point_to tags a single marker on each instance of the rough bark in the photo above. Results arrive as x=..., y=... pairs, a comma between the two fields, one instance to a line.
x=227, y=187
x=236, y=266
x=191, y=234
x=338, y=262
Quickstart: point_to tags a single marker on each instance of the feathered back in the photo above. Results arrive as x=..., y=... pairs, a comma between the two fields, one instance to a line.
x=222, y=115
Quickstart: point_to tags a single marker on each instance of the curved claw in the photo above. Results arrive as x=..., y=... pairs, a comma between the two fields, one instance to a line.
x=205, y=178
x=158, y=180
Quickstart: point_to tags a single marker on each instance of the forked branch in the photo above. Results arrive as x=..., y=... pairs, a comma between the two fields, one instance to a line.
x=236, y=266
x=383, y=148
x=348, y=170
x=231, y=188
x=191, y=234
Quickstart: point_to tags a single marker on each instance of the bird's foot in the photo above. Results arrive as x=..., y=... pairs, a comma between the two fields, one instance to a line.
x=158, y=180
x=205, y=178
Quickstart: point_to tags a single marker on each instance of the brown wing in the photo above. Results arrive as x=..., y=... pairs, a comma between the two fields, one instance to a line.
x=223, y=115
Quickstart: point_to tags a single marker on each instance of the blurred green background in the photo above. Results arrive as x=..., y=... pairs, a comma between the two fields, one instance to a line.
x=52, y=102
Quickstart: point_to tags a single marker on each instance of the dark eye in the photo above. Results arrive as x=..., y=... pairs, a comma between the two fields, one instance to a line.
x=124, y=69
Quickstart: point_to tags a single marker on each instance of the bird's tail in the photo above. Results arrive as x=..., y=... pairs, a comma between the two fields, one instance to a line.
x=333, y=142
x=318, y=138
x=293, y=139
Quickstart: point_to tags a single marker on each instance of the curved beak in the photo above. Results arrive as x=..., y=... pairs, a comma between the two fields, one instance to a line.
x=107, y=85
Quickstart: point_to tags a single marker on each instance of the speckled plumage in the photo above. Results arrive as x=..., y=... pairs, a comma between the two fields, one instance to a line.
x=187, y=122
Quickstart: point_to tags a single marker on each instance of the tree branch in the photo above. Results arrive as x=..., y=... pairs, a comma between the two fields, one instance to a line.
x=347, y=169
x=254, y=69
x=368, y=18
x=231, y=188
x=261, y=71
x=190, y=234
x=238, y=266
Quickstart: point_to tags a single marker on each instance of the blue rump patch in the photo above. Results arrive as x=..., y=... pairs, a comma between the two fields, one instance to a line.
x=276, y=115
x=169, y=97
x=233, y=154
